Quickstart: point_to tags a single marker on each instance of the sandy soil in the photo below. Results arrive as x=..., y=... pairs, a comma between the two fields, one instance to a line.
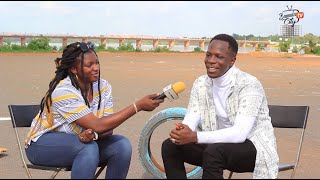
x=288, y=79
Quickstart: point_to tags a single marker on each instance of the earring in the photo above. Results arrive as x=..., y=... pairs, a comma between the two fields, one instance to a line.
x=76, y=77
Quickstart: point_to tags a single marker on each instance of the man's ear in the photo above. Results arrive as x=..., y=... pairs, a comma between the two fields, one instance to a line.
x=233, y=60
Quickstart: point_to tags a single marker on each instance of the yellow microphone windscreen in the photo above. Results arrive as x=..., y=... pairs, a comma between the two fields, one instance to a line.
x=178, y=87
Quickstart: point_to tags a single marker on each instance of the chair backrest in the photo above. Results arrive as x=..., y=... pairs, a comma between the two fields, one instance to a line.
x=289, y=116
x=22, y=115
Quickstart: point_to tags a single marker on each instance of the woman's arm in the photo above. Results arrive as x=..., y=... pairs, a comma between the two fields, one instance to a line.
x=107, y=123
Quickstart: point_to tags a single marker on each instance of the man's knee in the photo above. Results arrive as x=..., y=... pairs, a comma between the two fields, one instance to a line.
x=167, y=146
x=214, y=150
x=167, y=143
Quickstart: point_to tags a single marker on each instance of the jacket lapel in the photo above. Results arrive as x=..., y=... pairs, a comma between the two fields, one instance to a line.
x=209, y=112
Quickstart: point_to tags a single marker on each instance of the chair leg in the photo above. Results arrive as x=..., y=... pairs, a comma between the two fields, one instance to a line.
x=293, y=172
x=230, y=175
x=99, y=171
x=27, y=170
x=21, y=155
x=55, y=173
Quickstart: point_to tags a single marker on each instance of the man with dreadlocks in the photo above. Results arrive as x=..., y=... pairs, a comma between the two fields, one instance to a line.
x=75, y=122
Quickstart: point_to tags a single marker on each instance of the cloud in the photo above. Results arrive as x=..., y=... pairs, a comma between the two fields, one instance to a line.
x=162, y=6
x=314, y=11
x=240, y=3
x=48, y=5
x=35, y=9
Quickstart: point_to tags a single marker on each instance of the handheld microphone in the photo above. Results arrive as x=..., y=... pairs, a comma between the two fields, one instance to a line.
x=171, y=91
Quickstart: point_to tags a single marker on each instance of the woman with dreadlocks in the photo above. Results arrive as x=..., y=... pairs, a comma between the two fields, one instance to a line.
x=75, y=122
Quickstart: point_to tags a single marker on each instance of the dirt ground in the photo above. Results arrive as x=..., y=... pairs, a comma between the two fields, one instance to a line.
x=288, y=80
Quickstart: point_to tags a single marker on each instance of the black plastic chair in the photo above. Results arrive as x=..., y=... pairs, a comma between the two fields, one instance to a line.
x=21, y=117
x=289, y=117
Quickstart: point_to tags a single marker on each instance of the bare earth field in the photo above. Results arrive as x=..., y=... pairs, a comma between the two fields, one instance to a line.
x=287, y=79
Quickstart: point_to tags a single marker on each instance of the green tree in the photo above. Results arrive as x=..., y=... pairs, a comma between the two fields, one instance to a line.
x=39, y=44
x=237, y=36
x=126, y=47
x=310, y=37
x=198, y=49
x=101, y=47
x=284, y=46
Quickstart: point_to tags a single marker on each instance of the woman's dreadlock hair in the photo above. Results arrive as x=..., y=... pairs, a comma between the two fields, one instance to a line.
x=70, y=58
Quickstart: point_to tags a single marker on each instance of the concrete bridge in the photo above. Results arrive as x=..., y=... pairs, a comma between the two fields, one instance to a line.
x=121, y=38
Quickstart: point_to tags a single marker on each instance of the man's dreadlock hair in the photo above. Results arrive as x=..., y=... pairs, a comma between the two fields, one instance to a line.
x=71, y=56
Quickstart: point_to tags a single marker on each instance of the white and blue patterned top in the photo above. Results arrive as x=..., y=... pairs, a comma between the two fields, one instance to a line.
x=68, y=105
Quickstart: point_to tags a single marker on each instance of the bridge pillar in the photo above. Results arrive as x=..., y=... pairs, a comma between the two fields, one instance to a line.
x=201, y=44
x=121, y=42
x=1, y=41
x=84, y=40
x=155, y=43
x=64, y=42
x=187, y=43
x=23, y=41
x=171, y=43
x=138, y=43
x=103, y=41
x=255, y=45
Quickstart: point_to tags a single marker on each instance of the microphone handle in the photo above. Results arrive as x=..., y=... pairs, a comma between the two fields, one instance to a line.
x=161, y=96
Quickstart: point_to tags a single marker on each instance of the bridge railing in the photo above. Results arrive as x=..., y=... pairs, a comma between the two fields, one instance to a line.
x=121, y=39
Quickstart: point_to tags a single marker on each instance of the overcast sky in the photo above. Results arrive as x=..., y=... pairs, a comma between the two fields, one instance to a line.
x=154, y=18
